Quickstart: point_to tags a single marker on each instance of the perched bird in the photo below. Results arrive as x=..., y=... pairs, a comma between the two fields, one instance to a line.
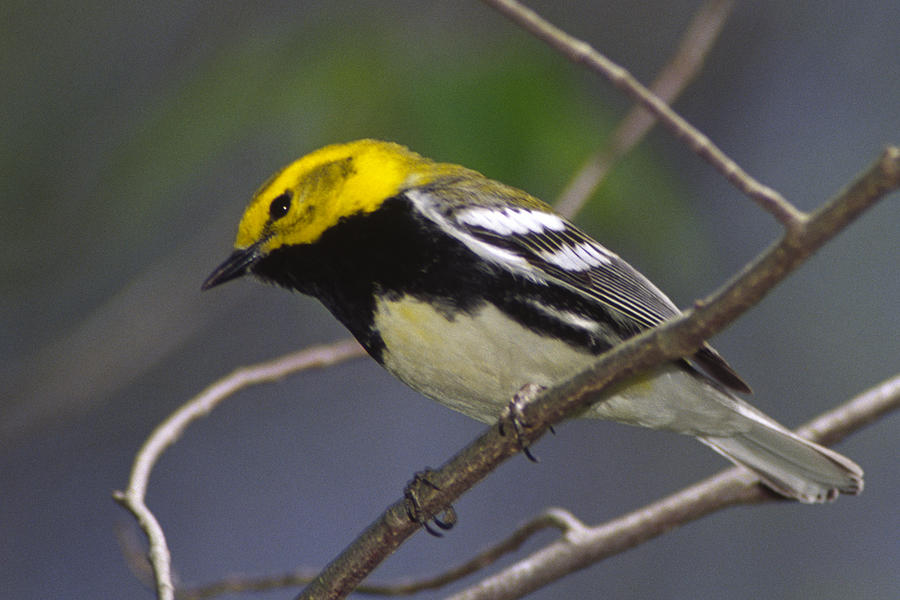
x=468, y=290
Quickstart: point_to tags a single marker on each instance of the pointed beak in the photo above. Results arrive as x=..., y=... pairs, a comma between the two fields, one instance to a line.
x=236, y=265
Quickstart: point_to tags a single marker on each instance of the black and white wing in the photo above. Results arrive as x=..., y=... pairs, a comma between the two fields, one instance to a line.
x=536, y=243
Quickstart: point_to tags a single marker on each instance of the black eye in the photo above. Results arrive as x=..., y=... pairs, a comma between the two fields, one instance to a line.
x=280, y=205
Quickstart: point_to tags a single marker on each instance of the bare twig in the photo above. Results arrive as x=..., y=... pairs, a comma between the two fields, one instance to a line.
x=581, y=52
x=551, y=518
x=696, y=42
x=676, y=338
x=133, y=498
x=582, y=546
x=728, y=488
x=238, y=583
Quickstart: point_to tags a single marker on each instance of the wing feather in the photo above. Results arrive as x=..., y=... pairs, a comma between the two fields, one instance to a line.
x=608, y=279
x=560, y=253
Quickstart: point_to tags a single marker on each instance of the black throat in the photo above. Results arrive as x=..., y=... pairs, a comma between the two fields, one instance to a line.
x=394, y=252
x=389, y=252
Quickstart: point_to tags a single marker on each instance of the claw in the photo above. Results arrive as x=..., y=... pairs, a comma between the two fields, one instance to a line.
x=414, y=509
x=515, y=417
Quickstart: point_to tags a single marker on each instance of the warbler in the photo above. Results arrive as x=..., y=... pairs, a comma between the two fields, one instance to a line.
x=468, y=290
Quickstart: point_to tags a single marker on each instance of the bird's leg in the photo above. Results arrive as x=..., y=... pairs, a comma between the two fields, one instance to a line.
x=419, y=485
x=514, y=416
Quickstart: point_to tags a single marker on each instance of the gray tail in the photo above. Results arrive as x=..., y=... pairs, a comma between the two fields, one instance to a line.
x=790, y=465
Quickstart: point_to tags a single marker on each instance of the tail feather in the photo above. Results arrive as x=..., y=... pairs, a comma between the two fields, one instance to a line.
x=789, y=464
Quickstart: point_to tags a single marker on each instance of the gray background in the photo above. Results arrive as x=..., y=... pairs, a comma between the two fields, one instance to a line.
x=134, y=134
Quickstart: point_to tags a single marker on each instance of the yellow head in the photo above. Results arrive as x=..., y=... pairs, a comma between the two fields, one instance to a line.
x=310, y=195
x=297, y=204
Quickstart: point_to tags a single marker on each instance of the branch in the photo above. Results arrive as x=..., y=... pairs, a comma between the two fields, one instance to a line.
x=554, y=517
x=684, y=66
x=168, y=432
x=581, y=52
x=582, y=547
x=673, y=339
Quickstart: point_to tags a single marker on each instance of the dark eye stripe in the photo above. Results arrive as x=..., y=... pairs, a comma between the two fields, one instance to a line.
x=280, y=205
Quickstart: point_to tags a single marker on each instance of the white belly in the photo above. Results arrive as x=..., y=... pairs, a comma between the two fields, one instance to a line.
x=468, y=364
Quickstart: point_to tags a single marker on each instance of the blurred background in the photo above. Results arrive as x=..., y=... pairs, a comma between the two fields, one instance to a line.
x=133, y=135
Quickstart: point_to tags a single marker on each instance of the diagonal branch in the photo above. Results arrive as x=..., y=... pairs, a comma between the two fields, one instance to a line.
x=676, y=338
x=555, y=518
x=581, y=52
x=696, y=42
x=581, y=546
x=587, y=546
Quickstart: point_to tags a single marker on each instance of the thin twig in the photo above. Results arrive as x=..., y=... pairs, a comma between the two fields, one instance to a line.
x=581, y=52
x=134, y=496
x=557, y=518
x=727, y=488
x=676, y=338
x=684, y=66
x=582, y=546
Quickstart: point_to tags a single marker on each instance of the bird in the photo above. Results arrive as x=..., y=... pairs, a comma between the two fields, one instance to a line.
x=469, y=290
